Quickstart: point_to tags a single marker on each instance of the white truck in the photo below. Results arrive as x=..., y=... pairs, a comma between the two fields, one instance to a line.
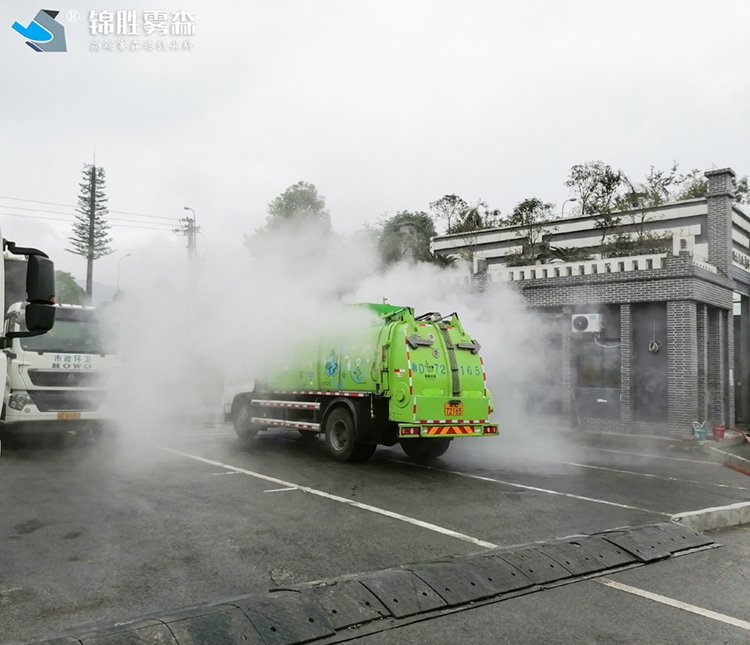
x=39, y=310
x=63, y=379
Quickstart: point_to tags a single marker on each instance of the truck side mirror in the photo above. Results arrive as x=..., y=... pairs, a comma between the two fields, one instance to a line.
x=40, y=281
x=40, y=317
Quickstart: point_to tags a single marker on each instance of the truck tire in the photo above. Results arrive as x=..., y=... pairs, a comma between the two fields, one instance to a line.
x=341, y=438
x=241, y=415
x=425, y=449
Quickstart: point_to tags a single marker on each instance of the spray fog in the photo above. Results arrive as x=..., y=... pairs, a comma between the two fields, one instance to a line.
x=253, y=305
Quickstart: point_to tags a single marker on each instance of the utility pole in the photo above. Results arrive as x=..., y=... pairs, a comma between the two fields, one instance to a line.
x=189, y=229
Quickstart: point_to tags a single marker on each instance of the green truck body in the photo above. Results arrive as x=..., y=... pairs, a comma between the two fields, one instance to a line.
x=419, y=381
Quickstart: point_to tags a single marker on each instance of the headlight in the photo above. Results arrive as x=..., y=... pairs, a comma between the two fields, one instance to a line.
x=19, y=400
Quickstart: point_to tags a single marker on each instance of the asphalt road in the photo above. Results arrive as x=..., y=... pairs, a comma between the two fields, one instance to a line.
x=154, y=520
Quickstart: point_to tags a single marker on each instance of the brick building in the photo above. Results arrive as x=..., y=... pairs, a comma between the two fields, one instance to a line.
x=671, y=339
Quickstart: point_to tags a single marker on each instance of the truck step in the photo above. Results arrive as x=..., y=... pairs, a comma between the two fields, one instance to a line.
x=297, y=405
x=282, y=423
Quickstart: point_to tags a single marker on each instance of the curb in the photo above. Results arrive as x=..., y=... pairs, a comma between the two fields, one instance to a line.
x=718, y=517
x=662, y=444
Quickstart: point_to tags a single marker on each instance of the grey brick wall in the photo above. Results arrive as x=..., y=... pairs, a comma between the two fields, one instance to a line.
x=702, y=349
x=568, y=370
x=626, y=353
x=719, y=201
x=715, y=365
x=682, y=361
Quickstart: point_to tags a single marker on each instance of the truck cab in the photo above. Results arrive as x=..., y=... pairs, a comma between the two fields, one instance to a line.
x=61, y=380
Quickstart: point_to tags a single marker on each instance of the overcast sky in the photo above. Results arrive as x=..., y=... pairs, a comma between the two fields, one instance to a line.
x=384, y=106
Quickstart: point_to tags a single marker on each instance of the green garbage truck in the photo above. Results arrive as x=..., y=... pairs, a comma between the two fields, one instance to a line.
x=415, y=380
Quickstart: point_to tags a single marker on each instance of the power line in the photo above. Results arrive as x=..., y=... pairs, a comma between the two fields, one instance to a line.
x=63, y=221
x=35, y=201
x=115, y=219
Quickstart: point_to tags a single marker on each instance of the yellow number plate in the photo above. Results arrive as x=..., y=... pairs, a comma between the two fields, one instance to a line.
x=454, y=409
x=69, y=415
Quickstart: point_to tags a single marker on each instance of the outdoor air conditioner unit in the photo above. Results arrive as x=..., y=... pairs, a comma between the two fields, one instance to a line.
x=587, y=323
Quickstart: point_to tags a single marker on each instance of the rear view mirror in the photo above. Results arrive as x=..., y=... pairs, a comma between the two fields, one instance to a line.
x=40, y=317
x=40, y=282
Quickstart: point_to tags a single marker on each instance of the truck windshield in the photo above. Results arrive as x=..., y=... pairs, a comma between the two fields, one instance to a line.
x=78, y=331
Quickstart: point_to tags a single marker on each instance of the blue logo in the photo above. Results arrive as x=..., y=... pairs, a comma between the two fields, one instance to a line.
x=44, y=33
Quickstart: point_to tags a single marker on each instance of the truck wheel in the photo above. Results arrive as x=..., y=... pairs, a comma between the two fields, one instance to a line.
x=241, y=416
x=341, y=438
x=425, y=449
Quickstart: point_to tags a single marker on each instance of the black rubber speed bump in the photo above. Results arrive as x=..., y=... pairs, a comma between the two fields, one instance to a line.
x=497, y=573
x=287, y=619
x=403, y=593
x=347, y=603
x=585, y=555
x=681, y=537
x=455, y=582
x=65, y=640
x=647, y=543
x=152, y=635
x=221, y=626
x=535, y=565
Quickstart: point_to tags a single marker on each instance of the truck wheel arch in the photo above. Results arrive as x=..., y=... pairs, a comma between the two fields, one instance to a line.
x=341, y=402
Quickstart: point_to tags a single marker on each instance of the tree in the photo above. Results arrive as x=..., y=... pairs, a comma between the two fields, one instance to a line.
x=406, y=237
x=448, y=208
x=471, y=220
x=67, y=290
x=532, y=217
x=694, y=185
x=477, y=217
x=298, y=204
x=90, y=237
x=595, y=186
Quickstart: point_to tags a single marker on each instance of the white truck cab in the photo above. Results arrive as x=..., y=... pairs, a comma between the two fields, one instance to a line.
x=62, y=379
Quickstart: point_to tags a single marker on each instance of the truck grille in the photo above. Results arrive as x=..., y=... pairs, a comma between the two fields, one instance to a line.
x=67, y=400
x=68, y=378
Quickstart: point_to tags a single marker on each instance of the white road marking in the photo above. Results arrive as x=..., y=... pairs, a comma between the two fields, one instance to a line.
x=343, y=500
x=223, y=474
x=534, y=488
x=279, y=490
x=707, y=613
x=730, y=454
x=640, y=454
x=632, y=472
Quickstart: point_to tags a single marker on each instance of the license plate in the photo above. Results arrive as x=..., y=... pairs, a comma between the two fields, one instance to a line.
x=69, y=415
x=454, y=409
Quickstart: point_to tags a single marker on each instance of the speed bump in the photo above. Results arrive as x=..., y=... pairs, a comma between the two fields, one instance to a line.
x=334, y=611
x=535, y=565
x=496, y=572
x=403, y=593
x=348, y=603
x=224, y=626
x=585, y=555
x=152, y=635
x=455, y=582
x=287, y=619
